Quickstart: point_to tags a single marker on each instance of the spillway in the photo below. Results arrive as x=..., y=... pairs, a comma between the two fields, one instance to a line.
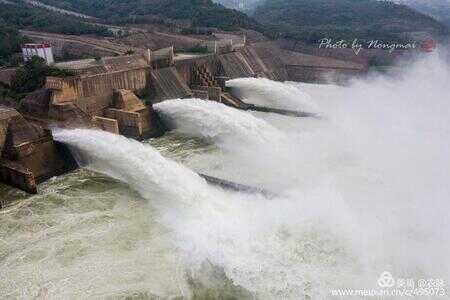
x=361, y=191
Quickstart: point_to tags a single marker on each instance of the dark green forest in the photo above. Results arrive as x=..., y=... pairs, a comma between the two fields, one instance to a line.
x=10, y=41
x=344, y=19
x=201, y=12
x=22, y=16
x=439, y=9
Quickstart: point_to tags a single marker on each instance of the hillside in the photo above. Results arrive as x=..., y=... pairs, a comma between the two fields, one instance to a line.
x=347, y=19
x=10, y=41
x=17, y=15
x=203, y=13
x=20, y=15
x=439, y=9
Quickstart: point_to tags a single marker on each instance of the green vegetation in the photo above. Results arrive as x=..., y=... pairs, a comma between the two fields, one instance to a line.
x=10, y=41
x=200, y=12
x=22, y=16
x=439, y=9
x=304, y=20
x=31, y=76
x=342, y=19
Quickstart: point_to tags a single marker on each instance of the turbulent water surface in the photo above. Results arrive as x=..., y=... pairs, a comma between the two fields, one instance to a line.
x=362, y=190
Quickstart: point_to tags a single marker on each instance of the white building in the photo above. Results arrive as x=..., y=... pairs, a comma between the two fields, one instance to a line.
x=42, y=50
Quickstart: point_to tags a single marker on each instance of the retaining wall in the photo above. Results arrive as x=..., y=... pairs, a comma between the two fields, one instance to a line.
x=94, y=93
x=107, y=124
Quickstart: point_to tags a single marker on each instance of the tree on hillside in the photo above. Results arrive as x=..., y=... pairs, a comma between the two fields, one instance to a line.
x=10, y=41
x=344, y=19
x=31, y=76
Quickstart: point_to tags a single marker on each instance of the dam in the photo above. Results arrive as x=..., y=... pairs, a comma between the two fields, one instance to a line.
x=116, y=94
x=356, y=191
x=349, y=202
x=181, y=150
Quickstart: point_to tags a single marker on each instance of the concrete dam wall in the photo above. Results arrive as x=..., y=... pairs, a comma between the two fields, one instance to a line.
x=168, y=84
x=94, y=93
x=105, y=95
x=235, y=65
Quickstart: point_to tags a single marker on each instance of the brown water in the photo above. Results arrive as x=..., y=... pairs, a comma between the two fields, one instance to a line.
x=86, y=235
x=359, y=192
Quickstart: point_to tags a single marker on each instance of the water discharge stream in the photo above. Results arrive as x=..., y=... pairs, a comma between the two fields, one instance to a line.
x=361, y=191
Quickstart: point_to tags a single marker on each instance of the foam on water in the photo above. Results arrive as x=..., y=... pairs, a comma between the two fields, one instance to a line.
x=85, y=236
x=361, y=191
x=381, y=152
x=252, y=238
x=131, y=161
x=262, y=91
x=240, y=137
x=215, y=121
x=389, y=162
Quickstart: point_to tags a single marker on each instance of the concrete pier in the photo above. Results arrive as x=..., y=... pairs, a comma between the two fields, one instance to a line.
x=28, y=153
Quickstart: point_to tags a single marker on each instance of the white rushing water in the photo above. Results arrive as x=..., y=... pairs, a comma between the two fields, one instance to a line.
x=279, y=95
x=371, y=175
x=213, y=121
x=360, y=191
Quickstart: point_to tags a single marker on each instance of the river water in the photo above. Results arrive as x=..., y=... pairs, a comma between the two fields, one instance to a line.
x=359, y=191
